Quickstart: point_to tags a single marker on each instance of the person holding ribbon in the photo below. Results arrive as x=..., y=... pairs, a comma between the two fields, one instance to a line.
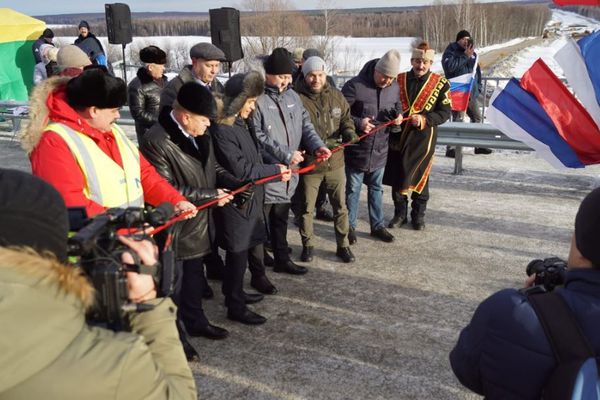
x=241, y=223
x=425, y=101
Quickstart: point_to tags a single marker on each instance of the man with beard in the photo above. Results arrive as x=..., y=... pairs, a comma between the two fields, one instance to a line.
x=330, y=114
x=425, y=100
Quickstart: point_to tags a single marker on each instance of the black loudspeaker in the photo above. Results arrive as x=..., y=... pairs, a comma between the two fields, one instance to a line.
x=225, y=32
x=118, y=23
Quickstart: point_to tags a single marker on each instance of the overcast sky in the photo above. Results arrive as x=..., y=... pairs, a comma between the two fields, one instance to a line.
x=45, y=7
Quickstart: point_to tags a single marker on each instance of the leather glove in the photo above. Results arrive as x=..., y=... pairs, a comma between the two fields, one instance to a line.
x=387, y=115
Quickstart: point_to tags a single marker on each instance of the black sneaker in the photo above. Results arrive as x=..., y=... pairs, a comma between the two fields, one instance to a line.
x=397, y=221
x=345, y=254
x=450, y=152
x=307, y=254
x=352, y=236
x=383, y=235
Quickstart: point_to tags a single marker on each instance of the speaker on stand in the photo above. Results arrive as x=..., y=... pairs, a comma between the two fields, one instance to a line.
x=118, y=27
x=225, y=33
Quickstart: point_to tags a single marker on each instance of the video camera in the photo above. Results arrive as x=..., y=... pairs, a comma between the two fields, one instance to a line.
x=550, y=273
x=98, y=252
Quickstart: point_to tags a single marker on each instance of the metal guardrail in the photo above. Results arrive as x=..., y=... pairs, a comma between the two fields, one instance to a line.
x=458, y=134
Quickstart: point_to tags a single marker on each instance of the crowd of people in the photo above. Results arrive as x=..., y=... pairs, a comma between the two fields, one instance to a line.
x=53, y=61
x=200, y=140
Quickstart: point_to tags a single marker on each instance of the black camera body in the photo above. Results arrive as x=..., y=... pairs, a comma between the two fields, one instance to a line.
x=98, y=252
x=550, y=272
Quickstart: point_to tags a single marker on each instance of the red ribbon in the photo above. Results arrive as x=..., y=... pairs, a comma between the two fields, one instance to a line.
x=267, y=179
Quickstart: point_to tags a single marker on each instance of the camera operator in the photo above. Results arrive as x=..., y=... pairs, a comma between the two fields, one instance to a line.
x=47, y=349
x=504, y=353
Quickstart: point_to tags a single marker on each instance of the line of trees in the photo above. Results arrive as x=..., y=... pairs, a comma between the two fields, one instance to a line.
x=487, y=23
x=275, y=20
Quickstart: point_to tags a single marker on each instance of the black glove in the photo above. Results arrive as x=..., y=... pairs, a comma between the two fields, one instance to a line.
x=349, y=137
x=387, y=115
x=240, y=199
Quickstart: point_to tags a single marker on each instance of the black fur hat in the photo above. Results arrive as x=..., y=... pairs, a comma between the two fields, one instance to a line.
x=33, y=214
x=239, y=88
x=279, y=62
x=95, y=87
x=153, y=55
x=197, y=99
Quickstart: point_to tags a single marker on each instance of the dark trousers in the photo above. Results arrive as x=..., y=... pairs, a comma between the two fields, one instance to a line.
x=418, y=205
x=256, y=261
x=277, y=220
x=213, y=263
x=190, y=283
x=233, y=280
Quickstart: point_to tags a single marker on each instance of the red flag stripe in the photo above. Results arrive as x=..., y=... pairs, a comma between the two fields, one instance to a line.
x=570, y=118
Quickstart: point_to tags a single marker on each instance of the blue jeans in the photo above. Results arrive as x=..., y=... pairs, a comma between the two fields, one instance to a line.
x=373, y=180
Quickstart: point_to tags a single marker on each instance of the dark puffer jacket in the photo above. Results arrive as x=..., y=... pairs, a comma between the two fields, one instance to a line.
x=455, y=63
x=504, y=354
x=368, y=100
x=193, y=172
x=144, y=98
x=168, y=96
x=330, y=114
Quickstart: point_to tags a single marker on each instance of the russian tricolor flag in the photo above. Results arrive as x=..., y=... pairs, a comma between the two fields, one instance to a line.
x=540, y=111
x=460, y=89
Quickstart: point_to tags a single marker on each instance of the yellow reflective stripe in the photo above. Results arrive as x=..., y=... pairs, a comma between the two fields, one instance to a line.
x=90, y=173
x=104, y=177
x=130, y=163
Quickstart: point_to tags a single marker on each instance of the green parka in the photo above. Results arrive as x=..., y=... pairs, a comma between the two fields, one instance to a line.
x=47, y=351
x=330, y=114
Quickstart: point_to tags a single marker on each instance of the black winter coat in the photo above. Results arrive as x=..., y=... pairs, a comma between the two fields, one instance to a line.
x=237, y=150
x=368, y=100
x=169, y=94
x=143, y=94
x=192, y=172
x=455, y=63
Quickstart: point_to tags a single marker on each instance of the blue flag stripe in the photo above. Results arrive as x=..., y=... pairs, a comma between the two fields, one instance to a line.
x=522, y=108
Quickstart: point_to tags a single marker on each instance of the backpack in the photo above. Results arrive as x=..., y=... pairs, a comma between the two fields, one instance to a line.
x=575, y=376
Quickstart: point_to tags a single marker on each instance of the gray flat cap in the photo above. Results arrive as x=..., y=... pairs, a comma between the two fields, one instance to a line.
x=207, y=51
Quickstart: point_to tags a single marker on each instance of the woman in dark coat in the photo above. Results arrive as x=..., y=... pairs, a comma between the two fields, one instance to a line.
x=424, y=97
x=241, y=225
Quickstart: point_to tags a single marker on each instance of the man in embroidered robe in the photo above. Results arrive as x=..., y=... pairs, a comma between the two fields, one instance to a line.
x=425, y=100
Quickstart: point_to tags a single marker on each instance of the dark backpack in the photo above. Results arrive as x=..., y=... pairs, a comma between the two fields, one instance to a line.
x=575, y=376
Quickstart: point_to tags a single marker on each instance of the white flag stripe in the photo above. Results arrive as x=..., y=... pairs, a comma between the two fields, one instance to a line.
x=571, y=61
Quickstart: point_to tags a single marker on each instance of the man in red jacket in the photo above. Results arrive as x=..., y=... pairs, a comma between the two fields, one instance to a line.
x=74, y=145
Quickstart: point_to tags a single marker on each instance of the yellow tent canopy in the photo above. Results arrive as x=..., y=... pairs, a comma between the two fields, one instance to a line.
x=17, y=34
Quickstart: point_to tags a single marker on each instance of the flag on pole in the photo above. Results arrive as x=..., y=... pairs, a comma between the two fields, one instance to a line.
x=580, y=62
x=541, y=112
x=460, y=89
x=516, y=113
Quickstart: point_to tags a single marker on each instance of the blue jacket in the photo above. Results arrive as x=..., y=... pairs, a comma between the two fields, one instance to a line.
x=504, y=354
x=367, y=100
x=455, y=63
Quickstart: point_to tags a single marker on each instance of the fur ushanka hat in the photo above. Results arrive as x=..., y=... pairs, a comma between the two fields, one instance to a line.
x=95, y=87
x=240, y=88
